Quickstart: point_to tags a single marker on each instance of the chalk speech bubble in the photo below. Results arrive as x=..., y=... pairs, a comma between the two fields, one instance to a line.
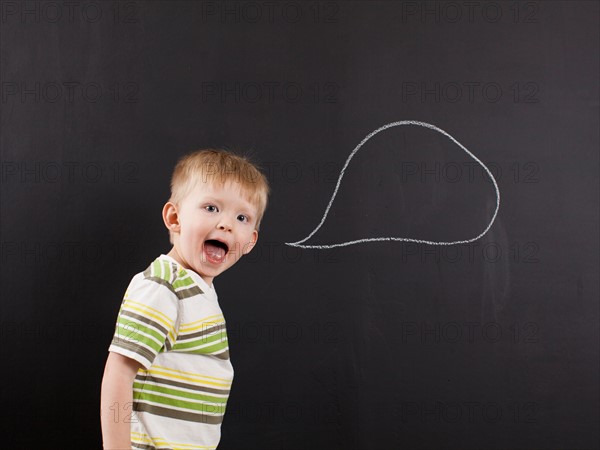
x=421, y=241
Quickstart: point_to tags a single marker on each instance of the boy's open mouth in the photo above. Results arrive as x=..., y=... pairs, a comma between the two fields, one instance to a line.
x=215, y=250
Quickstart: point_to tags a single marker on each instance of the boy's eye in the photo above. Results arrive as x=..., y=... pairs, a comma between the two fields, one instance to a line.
x=243, y=218
x=211, y=208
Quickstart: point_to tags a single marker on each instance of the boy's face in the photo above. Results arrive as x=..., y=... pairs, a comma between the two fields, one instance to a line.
x=211, y=215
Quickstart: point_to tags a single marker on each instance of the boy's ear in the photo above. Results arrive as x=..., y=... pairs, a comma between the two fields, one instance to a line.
x=171, y=217
x=250, y=245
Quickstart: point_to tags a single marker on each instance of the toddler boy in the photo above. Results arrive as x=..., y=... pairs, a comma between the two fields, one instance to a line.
x=168, y=374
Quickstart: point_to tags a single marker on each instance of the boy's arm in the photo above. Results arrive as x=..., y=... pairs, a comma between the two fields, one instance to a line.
x=116, y=403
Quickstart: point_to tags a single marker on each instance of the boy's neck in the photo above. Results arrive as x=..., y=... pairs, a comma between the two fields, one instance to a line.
x=175, y=255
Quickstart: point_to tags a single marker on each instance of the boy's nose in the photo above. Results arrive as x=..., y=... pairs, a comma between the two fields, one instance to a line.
x=224, y=225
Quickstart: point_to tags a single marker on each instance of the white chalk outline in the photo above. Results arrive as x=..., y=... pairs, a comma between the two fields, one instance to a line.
x=421, y=241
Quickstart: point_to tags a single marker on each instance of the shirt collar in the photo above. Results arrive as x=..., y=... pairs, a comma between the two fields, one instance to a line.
x=208, y=290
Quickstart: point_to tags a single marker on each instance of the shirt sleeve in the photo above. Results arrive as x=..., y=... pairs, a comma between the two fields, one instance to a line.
x=147, y=321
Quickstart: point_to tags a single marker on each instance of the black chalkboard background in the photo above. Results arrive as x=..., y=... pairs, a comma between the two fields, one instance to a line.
x=383, y=345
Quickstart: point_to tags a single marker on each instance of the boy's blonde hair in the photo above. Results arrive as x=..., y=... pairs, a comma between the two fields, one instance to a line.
x=220, y=166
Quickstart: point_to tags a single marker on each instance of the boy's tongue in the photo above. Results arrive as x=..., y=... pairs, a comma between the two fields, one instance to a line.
x=214, y=253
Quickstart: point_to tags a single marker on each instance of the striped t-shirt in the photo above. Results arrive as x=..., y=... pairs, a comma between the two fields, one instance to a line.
x=171, y=323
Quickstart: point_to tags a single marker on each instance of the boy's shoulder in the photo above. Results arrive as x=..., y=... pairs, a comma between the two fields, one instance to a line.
x=166, y=272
